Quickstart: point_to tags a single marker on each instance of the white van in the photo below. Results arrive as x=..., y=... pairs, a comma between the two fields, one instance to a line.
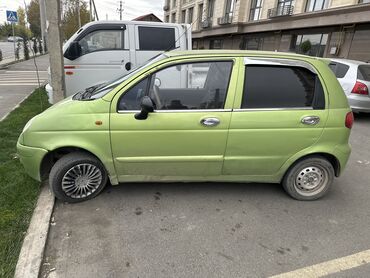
x=103, y=50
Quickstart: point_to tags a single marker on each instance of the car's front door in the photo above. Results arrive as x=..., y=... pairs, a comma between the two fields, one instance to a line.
x=280, y=111
x=186, y=135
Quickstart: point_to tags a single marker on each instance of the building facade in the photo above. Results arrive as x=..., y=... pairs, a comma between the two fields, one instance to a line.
x=323, y=28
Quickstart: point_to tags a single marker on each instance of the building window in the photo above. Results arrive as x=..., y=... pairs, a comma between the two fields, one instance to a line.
x=255, y=11
x=316, y=5
x=173, y=4
x=215, y=44
x=229, y=8
x=363, y=1
x=190, y=15
x=313, y=45
x=283, y=6
x=173, y=18
x=167, y=18
x=183, y=16
x=251, y=43
x=211, y=7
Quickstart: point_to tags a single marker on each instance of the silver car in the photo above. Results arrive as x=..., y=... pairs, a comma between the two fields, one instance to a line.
x=354, y=76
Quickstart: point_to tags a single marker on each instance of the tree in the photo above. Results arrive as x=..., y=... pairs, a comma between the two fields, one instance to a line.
x=305, y=46
x=70, y=17
x=33, y=16
x=21, y=16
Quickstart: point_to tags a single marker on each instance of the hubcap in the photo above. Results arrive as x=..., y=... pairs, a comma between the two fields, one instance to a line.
x=311, y=180
x=81, y=180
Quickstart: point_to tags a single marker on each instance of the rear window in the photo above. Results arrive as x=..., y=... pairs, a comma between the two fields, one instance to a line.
x=281, y=87
x=363, y=72
x=339, y=69
x=155, y=38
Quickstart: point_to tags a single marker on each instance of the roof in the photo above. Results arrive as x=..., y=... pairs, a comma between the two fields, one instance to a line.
x=175, y=53
x=349, y=62
x=146, y=15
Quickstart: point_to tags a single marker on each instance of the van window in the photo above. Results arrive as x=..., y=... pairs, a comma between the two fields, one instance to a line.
x=339, y=69
x=155, y=38
x=102, y=40
x=363, y=72
x=182, y=87
x=281, y=87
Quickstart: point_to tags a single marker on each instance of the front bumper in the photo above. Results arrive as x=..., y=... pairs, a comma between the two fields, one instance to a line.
x=359, y=103
x=31, y=158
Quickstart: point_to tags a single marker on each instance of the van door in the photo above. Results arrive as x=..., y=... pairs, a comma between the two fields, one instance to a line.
x=280, y=110
x=186, y=134
x=104, y=56
x=151, y=40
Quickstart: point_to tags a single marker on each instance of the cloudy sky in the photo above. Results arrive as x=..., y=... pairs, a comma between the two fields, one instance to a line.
x=132, y=8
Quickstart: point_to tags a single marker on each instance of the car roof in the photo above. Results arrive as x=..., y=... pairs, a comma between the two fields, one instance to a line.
x=349, y=62
x=130, y=22
x=212, y=52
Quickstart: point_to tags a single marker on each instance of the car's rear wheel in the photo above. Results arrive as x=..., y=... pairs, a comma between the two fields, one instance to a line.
x=77, y=177
x=309, y=179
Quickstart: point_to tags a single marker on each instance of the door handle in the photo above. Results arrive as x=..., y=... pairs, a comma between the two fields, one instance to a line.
x=310, y=120
x=210, y=121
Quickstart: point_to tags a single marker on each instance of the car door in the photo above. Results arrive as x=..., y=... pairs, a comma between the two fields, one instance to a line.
x=185, y=137
x=280, y=111
x=104, y=56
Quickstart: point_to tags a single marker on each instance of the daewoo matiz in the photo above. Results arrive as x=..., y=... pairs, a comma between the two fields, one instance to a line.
x=239, y=116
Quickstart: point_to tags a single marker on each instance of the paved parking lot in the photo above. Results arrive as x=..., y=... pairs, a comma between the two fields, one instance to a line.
x=215, y=229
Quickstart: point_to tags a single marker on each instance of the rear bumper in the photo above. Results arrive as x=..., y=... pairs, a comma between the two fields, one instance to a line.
x=31, y=158
x=359, y=103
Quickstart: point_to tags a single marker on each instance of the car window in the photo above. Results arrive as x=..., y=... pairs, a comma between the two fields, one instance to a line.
x=102, y=40
x=281, y=87
x=339, y=69
x=363, y=72
x=154, y=38
x=183, y=86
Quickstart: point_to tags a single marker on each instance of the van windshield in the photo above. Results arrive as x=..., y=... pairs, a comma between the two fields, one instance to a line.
x=102, y=89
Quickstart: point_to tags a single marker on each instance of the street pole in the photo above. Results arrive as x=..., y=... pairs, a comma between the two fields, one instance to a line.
x=90, y=5
x=120, y=10
x=43, y=22
x=78, y=14
x=53, y=15
x=15, y=57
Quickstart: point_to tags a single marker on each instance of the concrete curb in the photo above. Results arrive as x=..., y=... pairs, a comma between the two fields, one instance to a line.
x=32, y=252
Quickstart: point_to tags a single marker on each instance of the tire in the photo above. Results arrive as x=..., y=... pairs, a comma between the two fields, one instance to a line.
x=309, y=179
x=68, y=181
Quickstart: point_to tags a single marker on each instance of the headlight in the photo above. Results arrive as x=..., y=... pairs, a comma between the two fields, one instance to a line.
x=28, y=124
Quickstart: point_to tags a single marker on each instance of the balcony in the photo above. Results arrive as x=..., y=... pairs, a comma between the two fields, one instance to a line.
x=280, y=11
x=227, y=19
x=166, y=8
x=207, y=23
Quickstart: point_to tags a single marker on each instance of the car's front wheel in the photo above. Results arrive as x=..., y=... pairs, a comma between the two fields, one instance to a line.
x=77, y=177
x=309, y=179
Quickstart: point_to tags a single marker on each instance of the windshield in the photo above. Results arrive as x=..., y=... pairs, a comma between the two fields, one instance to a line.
x=104, y=88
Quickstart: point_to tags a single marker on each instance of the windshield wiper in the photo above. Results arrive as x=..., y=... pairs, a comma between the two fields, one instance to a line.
x=87, y=93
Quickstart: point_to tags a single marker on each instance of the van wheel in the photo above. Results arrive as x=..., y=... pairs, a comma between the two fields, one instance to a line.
x=309, y=179
x=77, y=177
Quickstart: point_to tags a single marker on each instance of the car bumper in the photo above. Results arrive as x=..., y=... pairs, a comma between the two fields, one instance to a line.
x=31, y=158
x=359, y=103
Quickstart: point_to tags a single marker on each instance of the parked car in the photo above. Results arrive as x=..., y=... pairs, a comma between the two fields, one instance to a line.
x=14, y=39
x=238, y=116
x=103, y=50
x=354, y=77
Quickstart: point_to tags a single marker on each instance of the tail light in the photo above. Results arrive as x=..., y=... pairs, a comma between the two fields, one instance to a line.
x=349, y=120
x=360, y=89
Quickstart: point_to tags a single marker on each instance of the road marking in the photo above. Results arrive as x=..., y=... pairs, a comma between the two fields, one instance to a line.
x=26, y=71
x=329, y=267
x=20, y=84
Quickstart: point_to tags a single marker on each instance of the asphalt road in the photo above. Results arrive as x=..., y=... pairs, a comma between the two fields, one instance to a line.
x=17, y=81
x=214, y=229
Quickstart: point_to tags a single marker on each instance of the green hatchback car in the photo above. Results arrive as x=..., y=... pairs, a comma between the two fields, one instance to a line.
x=236, y=116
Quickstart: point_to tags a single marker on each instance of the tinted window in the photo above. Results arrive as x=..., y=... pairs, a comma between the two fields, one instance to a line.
x=363, y=72
x=131, y=99
x=153, y=38
x=102, y=40
x=281, y=87
x=339, y=69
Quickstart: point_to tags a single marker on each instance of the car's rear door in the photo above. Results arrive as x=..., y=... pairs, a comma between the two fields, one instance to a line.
x=280, y=111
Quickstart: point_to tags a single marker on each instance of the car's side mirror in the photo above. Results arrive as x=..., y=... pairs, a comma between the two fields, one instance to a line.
x=73, y=51
x=147, y=106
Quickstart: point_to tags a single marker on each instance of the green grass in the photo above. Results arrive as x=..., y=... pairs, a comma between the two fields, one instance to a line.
x=18, y=192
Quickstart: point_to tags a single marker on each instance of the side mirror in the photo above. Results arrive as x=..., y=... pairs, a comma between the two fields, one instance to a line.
x=73, y=51
x=147, y=106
